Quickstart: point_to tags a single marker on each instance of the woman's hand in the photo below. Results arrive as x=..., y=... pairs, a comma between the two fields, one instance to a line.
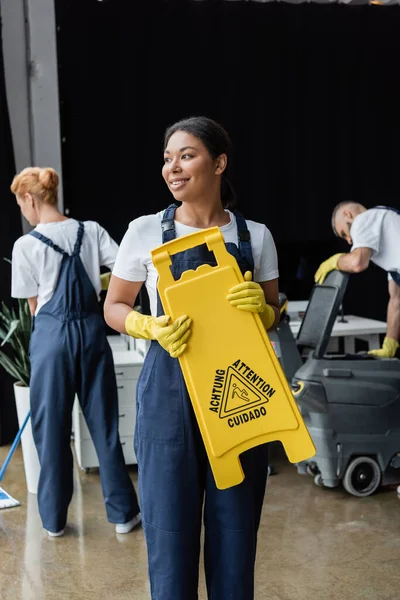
x=172, y=337
x=249, y=296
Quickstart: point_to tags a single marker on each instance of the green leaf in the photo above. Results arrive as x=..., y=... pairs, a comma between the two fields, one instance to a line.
x=23, y=354
x=14, y=369
x=12, y=338
x=15, y=332
x=5, y=313
x=13, y=328
x=26, y=321
x=21, y=368
x=10, y=367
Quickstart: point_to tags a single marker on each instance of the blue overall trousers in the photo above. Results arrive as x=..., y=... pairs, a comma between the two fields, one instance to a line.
x=69, y=354
x=175, y=477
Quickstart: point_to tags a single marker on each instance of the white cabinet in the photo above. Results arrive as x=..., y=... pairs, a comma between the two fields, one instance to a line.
x=128, y=364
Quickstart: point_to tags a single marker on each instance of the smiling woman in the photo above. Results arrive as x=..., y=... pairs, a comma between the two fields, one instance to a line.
x=199, y=149
x=174, y=472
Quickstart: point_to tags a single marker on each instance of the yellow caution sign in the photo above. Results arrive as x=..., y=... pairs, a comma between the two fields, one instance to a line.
x=239, y=392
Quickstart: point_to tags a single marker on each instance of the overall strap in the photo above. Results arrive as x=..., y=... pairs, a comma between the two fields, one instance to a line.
x=48, y=242
x=168, y=224
x=244, y=239
x=79, y=237
x=169, y=233
x=388, y=208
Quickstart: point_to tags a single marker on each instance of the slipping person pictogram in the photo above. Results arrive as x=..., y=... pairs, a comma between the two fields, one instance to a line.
x=242, y=394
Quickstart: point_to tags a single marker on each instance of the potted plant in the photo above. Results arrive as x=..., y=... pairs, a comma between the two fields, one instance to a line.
x=15, y=330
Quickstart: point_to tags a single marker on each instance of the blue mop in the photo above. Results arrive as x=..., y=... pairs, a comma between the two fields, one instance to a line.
x=7, y=501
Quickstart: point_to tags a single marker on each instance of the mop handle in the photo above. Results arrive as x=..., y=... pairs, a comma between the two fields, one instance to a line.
x=13, y=447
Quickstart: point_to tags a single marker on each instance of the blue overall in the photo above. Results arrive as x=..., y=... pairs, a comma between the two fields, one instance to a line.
x=70, y=354
x=175, y=475
x=394, y=274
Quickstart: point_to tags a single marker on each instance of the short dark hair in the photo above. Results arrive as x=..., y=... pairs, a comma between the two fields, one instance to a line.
x=334, y=213
x=217, y=142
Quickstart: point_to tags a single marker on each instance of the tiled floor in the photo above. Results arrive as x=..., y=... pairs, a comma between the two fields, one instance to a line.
x=314, y=544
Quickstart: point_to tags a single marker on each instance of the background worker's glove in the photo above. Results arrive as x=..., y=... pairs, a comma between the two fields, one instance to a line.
x=171, y=337
x=249, y=296
x=388, y=350
x=105, y=280
x=326, y=267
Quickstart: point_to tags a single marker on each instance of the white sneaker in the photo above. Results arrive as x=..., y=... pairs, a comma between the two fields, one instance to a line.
x=398, y=490
x=127, y=527
x=57, y=534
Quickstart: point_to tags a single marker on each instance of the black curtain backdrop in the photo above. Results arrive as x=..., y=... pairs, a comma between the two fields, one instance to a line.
x=10, y=229
x=309, y=94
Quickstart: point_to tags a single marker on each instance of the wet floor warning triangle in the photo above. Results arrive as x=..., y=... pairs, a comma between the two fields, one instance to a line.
x=239, y=395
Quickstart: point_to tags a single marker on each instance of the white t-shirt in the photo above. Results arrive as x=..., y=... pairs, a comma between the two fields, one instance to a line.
x=36, y=266
x=379, y=230
x=134, y=263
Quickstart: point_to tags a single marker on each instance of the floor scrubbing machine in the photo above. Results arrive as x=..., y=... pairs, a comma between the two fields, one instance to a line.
x=350, y=403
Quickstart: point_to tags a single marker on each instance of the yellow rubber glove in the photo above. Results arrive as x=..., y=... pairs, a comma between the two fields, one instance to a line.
x=171, y=337
x=388, y=350
x=105, y=280
x=326, y=267
x=249, y=296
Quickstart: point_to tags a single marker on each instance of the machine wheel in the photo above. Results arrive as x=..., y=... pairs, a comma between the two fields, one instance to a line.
x=312, y=469
x=362, y=477
x=318, y=480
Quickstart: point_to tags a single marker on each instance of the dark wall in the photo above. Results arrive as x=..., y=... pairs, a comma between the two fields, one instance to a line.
x=308, y=93
x=10, y=229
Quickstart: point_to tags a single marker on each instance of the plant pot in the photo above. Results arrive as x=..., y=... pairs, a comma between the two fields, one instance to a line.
x=29, y=452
